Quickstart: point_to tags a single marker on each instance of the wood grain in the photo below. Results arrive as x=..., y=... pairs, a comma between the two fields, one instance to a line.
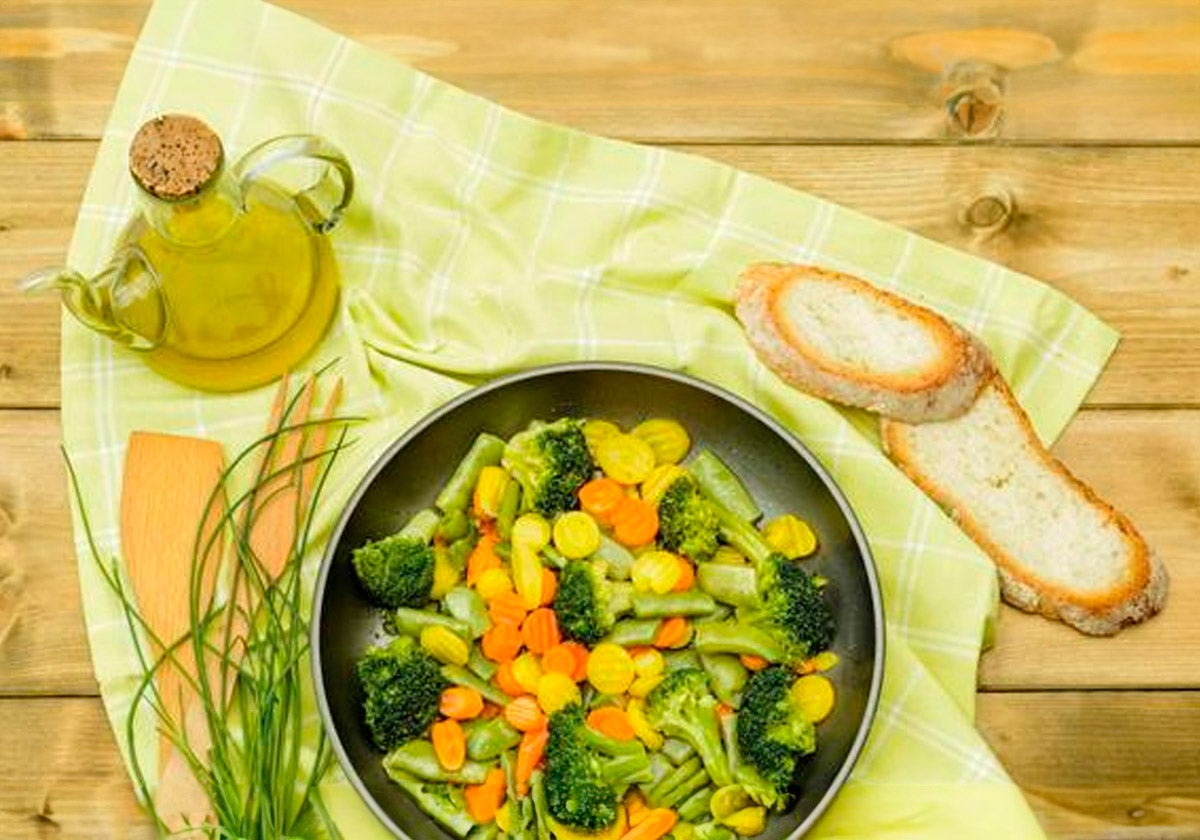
x=1081, y=757
x=43, y=647
x=1114, y=228
x=1145, y=462
x=1112, y=765
x=708, y=70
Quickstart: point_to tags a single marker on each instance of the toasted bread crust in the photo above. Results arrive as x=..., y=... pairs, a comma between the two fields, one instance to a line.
x=1097, y=614
x=938, y=392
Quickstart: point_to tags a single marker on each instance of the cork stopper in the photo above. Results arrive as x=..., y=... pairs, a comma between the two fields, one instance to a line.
x=175, y=156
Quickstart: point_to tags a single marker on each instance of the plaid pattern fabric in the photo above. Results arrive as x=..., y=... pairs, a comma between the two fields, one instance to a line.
x=483, y=242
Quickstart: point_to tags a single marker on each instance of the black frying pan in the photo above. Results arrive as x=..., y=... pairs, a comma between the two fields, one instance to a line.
x=781, y=474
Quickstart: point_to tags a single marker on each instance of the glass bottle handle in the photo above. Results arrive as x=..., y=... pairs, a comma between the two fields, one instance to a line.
x=337, y=175
x=124, y=301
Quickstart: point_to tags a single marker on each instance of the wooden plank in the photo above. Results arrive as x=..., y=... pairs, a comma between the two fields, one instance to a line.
x=1095, y=765
x=708, y=70
x=62, y=775
x=1112, y=765
x=1115, y=228
x=43, y=647
x=1146, y=462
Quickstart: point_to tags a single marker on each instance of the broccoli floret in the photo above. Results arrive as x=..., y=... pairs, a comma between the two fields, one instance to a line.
x=586, y=603
x=402, y=685
x=396, y=571
x=773, y=735
x=586, y=771
x=688, y=521
x=682, y=706
x=551, y=462
x=790, y=623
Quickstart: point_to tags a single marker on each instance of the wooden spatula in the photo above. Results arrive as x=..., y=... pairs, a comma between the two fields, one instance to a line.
x=169, y=481
x=165, y=497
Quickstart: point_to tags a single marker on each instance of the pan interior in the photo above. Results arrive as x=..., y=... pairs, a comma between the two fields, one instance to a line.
x=778, y=472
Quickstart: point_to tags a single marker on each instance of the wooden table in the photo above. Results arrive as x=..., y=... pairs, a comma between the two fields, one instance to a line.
x=1059, y=138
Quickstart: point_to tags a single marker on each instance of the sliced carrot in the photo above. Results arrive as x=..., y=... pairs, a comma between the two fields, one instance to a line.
x=559, y=659
x=581, y=660
x=613, y=722
x=655, y=824
x=529, y=753
x=673, y=632
x=507, y=608
x=506, y=682
x=482, y=557
x=524, y=714
x=754, y=663
x=549, y=586
x=636, y=808
x=461, y=703
x=634, y=522
x=484, y=799
x=600, y=497
x=449, y=744
x=540, y=630
x=501, y=643
x=687, y=576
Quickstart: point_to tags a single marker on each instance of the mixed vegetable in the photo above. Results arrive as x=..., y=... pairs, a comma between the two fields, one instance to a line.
x=595, y=640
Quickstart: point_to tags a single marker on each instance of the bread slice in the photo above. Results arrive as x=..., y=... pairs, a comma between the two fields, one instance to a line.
x=1060, y=550
x=845, y=340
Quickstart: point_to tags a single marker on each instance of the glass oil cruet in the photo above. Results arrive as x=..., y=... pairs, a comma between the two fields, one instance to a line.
x=225, y=279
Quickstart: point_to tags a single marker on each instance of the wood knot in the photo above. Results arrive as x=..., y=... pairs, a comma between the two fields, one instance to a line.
x=6, y=370
x=974, y=100
x=5, y=226
x=990, y=212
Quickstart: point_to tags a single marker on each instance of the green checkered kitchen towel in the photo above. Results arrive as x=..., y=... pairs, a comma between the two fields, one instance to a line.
x=483, y=242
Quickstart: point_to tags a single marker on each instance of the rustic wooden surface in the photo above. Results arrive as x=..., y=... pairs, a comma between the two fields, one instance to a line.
x=1059, y=138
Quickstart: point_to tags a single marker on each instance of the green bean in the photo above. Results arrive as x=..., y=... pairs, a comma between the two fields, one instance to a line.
x=719, y=482
x=677, y=660
x=618, y=558
x=484, y=452
x=541, y=810
x=487, y=740
x=727, y=675
x=676, y=750
x=660, y=766
x=672, y=779
x=506, y=511
x=465, y=605
x=411, y=622
x=480, y=665
x=460, y=550
x=461, y=676
x=653, y=605
x=439, y=800
x=553, y=557
x=419, y=759
x=737, y=585
x=421, y=525
x=695, y=806
x=454, y=525
x=484, y=832
x=634, y=631
x=685, y=789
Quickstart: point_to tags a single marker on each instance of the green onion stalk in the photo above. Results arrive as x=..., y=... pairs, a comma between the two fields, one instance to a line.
x=262, y=765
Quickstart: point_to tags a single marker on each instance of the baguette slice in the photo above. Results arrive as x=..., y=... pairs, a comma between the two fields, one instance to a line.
x=845, y=340
x=1060, y=550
